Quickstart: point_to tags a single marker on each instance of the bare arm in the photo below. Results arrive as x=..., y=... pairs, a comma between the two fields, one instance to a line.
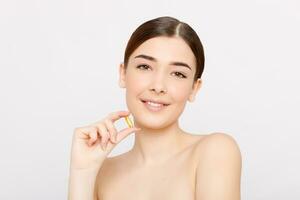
x=219, y=169
x=82, y=185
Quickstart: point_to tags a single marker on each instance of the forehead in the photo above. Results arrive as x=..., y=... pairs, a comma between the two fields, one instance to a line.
x=166, y=49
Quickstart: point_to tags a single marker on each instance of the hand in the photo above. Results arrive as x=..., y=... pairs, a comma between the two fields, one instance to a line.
x=91, y=144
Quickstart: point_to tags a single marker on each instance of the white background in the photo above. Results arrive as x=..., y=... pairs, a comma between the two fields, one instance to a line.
x=59, y=70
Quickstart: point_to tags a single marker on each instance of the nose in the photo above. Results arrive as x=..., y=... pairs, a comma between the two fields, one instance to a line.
x=158, y=85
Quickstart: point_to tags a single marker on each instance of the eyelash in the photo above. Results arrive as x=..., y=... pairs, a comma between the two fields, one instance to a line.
x=182, y=75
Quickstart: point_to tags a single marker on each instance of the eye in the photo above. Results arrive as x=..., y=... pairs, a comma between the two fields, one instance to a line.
x=142, y=66
x=180, y=75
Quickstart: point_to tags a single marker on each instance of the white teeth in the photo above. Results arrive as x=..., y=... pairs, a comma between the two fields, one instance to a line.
x=154, y=104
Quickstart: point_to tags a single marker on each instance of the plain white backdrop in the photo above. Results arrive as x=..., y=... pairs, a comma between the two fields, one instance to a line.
x=59, y=70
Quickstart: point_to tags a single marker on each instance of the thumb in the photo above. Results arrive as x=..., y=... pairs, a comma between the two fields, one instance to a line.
x=125, y=132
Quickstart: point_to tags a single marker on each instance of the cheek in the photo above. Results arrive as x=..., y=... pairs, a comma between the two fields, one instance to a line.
x=180, y=92
x=135, y=84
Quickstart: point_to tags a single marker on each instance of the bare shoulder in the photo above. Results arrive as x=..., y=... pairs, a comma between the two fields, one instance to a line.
x=110, y=166
x=105, y=174
x=219, y=143
x=218, y=168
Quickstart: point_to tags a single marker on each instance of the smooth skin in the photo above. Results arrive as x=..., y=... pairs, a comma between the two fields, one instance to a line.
x=165, y=161
x=90, y=147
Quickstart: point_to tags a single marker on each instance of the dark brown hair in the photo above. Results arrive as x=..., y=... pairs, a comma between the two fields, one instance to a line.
x=170, y=27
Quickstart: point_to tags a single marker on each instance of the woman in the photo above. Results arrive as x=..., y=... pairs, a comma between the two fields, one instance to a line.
x=162, y=69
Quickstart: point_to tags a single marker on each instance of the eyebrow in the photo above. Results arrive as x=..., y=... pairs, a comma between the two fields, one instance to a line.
x=155, y=60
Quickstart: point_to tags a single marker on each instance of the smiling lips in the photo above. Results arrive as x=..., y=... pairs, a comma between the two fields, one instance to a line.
x=154, y=105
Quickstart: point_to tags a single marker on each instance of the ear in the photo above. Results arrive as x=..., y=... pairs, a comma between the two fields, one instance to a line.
x=196, y=86
x=122, y=75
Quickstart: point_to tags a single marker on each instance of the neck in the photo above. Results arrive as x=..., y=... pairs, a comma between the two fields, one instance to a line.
x=152, y=146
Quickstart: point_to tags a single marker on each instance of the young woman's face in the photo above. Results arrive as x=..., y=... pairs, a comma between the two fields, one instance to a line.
x=152, y=75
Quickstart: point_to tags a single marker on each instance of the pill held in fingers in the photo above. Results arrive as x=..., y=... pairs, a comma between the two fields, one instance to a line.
x=128, y=122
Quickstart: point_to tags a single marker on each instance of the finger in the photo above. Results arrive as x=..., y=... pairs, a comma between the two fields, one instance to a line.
x=83, y=132
x=104, y=134
x=125, y=132
x=113, y=117
x=111, y=129
x=93, y=135
x=117, y=115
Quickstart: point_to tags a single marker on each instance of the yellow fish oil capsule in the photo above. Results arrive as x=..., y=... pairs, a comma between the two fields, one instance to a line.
x=128, y=122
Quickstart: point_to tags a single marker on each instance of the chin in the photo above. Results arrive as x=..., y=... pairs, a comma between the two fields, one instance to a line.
x=152, y=124
x=153, y=121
